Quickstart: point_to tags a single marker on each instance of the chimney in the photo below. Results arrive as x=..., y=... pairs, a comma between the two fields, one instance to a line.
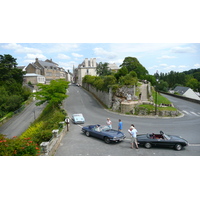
x=86, y=62
x=91, y=62
x=94, y=62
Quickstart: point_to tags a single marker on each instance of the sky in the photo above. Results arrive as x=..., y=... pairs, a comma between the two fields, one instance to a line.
x=161, y=57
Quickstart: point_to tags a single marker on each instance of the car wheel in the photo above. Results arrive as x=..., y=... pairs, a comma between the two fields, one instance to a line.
x=148, y=145
x=106, y=140
x=87, y=133
x=178, y=147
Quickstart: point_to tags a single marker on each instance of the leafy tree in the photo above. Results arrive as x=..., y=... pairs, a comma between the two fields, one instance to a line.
x=132, y=64
x=128, y=79
x=162, y=86
x=9, y=71
x=54, y=93
x=103, y=69
x=193, y=83
x=121, y=72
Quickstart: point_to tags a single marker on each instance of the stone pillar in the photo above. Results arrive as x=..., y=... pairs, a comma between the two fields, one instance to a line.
x=91, y=62
x=86, y=62
x=94, y=62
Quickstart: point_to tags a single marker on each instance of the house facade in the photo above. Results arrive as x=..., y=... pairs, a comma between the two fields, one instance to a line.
x=187, y=92
x=87, y=67
x=44, y=71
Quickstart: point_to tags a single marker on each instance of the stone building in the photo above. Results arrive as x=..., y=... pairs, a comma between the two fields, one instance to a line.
x=44, y=71
x=87, y=67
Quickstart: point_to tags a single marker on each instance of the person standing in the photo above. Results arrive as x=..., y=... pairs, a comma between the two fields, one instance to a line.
x=133, y=132
x=109, y=123
x=120, y=125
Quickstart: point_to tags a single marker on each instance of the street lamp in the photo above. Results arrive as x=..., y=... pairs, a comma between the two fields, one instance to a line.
x=156, y=100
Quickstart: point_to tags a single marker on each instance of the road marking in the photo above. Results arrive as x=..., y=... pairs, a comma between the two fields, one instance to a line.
x=191, y=113
x=194, y=145
x=195, y=114
x=186, y=112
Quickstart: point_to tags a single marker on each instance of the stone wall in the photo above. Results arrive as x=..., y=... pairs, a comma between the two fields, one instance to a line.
x=104, y=97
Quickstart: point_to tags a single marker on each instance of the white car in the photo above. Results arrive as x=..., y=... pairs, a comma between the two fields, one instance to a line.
x=78, y=118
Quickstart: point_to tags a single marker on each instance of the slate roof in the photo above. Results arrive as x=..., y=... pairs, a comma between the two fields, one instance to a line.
x=47, y=64
x=180, y=89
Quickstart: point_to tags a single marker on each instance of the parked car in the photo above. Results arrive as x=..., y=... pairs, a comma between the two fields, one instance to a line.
x=78, y=118
x=161, y=140
x=104, y=133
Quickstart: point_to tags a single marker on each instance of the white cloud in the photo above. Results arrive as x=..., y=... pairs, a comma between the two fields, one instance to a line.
x=182, y=50
x=77, y=55
x=197, y=65
x=104, y=53
x=140, y=47
x=166, y=57
x=20, y=49
x=163, y=65
x=30, y=58
x=63, y=56
x=61, y=47
x=33, y=56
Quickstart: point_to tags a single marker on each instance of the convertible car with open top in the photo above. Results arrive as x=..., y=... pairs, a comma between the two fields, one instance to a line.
x=103, y=132
x=161, y=140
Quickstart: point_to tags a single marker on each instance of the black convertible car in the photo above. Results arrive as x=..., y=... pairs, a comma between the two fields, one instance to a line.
x=161, y=140
x=104, y=133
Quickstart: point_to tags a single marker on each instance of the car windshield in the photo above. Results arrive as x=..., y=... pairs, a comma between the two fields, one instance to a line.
x=166, y=136
x=105, y=128
x=78, y=115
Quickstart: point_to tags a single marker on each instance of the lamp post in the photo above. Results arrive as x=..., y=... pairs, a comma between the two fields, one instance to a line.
x=156, y=99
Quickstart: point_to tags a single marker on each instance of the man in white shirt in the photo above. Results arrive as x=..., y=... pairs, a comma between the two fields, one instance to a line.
x=133, y=132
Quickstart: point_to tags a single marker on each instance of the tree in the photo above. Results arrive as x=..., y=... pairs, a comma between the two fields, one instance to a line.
x=132, y=64
x=193, y=83
x=103, y=69
x=9, y=73
x=121, y=72
x=54, y=93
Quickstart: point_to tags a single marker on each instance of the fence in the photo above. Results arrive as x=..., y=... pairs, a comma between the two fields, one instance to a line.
x=49, y=148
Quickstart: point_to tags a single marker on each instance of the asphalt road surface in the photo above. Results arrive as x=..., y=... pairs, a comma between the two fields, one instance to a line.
x=20, y=122
x=75, y=143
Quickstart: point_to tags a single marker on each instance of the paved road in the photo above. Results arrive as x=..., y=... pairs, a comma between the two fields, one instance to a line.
x=20, y=122
x=76, y=143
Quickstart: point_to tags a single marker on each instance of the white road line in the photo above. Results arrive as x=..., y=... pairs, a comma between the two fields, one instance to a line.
x=194, y=145
x=195, y=114
x=186, y=112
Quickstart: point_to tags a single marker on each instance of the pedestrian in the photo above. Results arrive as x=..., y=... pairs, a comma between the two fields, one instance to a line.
x=133, y=132
x=109, y=123
x=120, y=125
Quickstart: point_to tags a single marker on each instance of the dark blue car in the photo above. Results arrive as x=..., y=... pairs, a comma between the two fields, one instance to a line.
x=104, y=133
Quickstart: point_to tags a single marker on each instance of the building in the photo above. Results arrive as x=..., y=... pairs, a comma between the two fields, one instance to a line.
x=87, y=67
x=44, y=71
x=187, y=92
x=113, y=67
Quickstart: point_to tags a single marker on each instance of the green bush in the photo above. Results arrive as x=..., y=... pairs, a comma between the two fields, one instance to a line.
x=41, y=130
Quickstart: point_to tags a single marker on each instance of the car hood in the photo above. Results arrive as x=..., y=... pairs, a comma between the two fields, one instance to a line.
x=79, y=118
x=178, y=138
x=114, y=133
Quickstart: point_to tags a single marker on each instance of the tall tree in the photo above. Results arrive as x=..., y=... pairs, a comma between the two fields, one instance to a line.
x=9, y=73
x=132, y=64
x=103, y=69
x=54, y=93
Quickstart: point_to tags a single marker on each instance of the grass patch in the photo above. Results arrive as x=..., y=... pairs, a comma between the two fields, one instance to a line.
x=160, y=99
x=151, y=108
